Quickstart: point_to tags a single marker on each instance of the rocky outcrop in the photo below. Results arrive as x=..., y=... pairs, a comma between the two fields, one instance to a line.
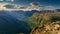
x=48, y=28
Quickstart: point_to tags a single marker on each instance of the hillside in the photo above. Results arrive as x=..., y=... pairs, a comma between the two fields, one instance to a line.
x=49, y=28
x=16, y=22
x=9, y=24
x=46, y=23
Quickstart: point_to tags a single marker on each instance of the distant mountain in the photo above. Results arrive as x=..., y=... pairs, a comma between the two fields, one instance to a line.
x=21, y=15
x=58, y=10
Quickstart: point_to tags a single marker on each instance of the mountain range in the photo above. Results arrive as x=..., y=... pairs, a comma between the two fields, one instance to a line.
x=13, y=22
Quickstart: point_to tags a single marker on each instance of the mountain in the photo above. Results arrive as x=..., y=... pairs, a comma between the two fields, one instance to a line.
x=21, y=15
x=12, y=22
x=58, y=10
x=48, y=28
x=47, y=23
x=10, y=25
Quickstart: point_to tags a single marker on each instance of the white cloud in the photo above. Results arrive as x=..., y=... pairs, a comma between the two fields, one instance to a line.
x=12, y=0
x=9, y=0
x=2, y=6
x=34, y=6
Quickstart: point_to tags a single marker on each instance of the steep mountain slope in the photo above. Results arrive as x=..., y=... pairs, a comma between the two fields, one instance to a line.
x=15, y=21
x=10, y=25
x=47, y=23
x=49, y=28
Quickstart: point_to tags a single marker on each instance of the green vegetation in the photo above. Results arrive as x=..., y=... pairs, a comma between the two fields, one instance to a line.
x=33, y=20
x=50, y=23
x=40, y=19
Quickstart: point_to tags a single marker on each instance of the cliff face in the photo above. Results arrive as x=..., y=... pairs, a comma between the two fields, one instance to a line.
x=48, y=28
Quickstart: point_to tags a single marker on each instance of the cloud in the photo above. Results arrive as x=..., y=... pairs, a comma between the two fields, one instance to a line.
x=34, y=6
x=7, y=6
x=12, y=0
x=10, y=7
x=8, y=0
x=2, y=6
x=49, y=7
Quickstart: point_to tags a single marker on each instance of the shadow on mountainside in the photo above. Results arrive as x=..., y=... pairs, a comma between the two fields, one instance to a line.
x=11, y=25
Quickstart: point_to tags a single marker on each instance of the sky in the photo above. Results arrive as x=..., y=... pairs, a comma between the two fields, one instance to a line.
x=42, y=2
x=28, y=3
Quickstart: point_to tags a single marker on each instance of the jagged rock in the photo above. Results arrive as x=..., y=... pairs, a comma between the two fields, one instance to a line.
x=48, y=28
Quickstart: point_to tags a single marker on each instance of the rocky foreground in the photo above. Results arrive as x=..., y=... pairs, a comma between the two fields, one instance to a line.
x=48, y=28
